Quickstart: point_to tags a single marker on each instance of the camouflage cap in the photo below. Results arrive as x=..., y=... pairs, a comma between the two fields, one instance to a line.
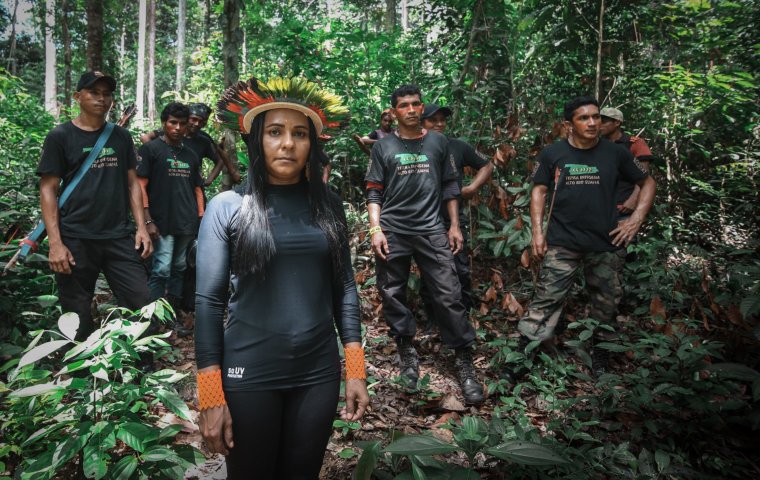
x=613, y=113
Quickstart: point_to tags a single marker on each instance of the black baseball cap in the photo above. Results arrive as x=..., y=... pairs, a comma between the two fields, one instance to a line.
x=432, y=108
x=89, y=78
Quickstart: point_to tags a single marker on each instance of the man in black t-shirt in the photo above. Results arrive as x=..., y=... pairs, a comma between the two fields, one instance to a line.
x=434, y=118
x=582, y=230
x=386, y=128
x=92, y=232
x=170, y=176
x=201, y=143
x=410, y=173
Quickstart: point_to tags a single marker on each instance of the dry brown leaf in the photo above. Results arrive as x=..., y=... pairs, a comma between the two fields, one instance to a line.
x=511, y=305
x=497, y=281
x=484, y=309
x=519, y=223
x=735, y=315
x=657, y=308
x=525, y=258
x=449, y=402
x=490, y=295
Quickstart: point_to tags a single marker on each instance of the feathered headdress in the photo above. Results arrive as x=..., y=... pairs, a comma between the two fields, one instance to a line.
x=241, y=102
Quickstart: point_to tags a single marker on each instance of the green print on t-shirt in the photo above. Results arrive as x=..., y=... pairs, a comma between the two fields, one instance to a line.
x=409, y=158
x=105, y=152
x=173, y=163
x=578, y=169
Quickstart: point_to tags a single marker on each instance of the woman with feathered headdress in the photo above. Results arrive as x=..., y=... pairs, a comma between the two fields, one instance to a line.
x=269, y=375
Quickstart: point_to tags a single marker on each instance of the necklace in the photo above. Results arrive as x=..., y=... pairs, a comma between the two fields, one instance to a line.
x=415, y=156
x=173, y=149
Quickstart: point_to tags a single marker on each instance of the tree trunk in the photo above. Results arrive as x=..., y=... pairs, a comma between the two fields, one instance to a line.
x=49, y=26
x=181, y=43
x=152, y=61
x=405, y=15
x=140, y=84
x=94, y=34
x=207, y=22
x=471, y=42
x=231, y=38
x=122, y=57
x=598, y=82
x=390, y=15
x=66, y=40
x=11, y=65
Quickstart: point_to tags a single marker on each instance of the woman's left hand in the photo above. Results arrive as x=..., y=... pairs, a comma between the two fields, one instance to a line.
x=357, y=400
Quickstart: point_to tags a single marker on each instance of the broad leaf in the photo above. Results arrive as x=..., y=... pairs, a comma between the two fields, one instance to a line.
x=157, y=453
x=68, y=324
x=41, y=351
x=95, y=465
x=367, y=461
x=135, y=435
x=124, y=468
x=419, y=445
x=174, y=403
x=526, y=453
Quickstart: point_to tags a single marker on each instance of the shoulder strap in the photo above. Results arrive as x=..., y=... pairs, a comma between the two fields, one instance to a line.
x=102, y=139
x=29, y=244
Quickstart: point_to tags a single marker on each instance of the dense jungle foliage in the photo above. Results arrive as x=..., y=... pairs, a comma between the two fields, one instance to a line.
x=683, y=398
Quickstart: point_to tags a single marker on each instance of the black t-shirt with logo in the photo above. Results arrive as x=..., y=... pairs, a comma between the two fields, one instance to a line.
x=411, y=173
x=585, y=210
x=202, y=146
x=98, y=207
x=172, y=173
x=465, y=155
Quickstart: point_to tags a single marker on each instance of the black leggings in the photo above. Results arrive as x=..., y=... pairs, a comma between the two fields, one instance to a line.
x=281, y=434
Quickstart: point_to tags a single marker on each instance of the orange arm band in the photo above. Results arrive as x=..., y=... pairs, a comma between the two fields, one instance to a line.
x=374, y=185
x=354, y=363
x=199, y=201
x=210, y=393
x=144, y=189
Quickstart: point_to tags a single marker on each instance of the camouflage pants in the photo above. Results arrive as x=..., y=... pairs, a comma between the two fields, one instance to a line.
x=558, y=272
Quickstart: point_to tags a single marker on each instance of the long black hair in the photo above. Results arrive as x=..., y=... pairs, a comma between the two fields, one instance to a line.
x=255, y=245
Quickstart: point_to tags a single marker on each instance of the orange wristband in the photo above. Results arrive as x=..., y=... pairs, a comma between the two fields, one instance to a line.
x=210, y=393
x=354, y=363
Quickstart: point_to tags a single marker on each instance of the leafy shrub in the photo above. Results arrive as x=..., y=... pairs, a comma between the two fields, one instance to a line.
x=98, y=407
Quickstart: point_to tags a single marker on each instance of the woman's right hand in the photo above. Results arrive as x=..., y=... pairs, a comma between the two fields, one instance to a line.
x=216, y=429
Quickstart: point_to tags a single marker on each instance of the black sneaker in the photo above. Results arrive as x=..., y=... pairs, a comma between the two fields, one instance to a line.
x=472, y=390
x=409, y=364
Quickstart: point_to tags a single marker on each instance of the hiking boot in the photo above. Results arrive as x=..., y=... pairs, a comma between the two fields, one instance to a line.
x=600, y=359
x=513, y=373
x=471, y=388
x=409, y=364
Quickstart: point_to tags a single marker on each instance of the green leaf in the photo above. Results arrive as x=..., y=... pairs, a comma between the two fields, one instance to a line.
x=41, y=351
x=526, y=453
x=585, y=335
x=662, y=459
x=612, y=347
x=47, y=300
x=135, y=435
x=173, y=402
x=169, y=432
x=156, y=454
x=736, y=371
x=347, y=453
x=124, y=468
x=419, y=445
x=187, y=456
x=34, y=390
x=368, y=459
x=94, y=462
x=418, y=473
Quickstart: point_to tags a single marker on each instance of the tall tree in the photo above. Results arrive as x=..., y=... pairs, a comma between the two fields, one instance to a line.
x=600, y=44
x=390, y=15
x=66, y=41
x=140, y=84
x=94, y=10
x=181, y=43
x=11, y=65
x=152, y=61
x=49, y=27
x=231, y=38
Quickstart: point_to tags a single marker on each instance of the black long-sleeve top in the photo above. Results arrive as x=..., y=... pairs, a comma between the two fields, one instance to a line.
x=280, y=331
